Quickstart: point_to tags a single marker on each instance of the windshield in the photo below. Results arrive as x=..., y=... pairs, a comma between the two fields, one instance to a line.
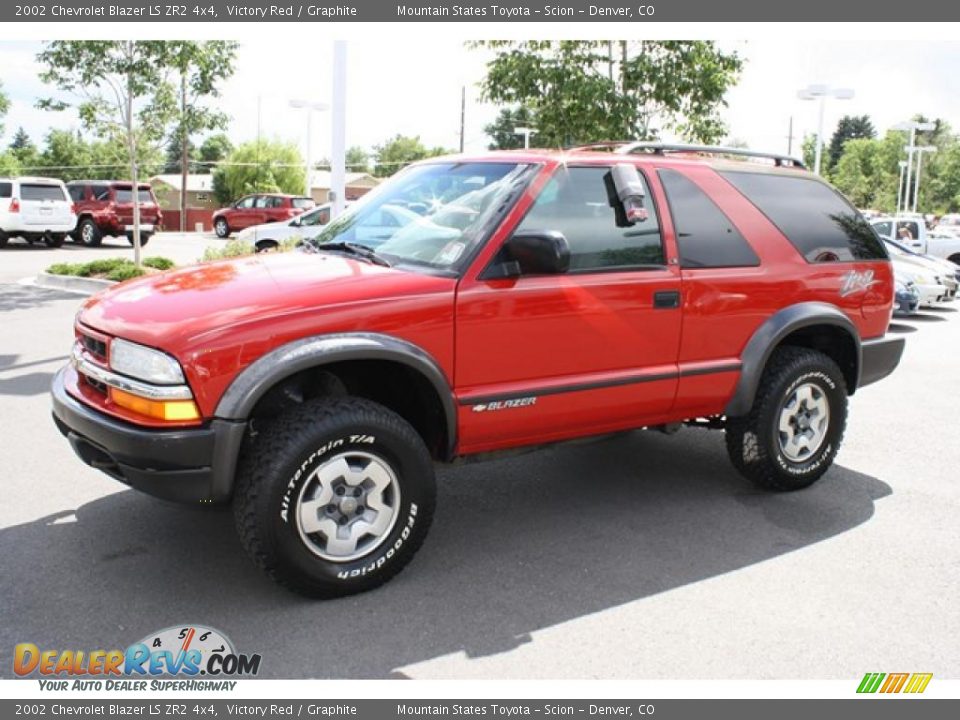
x=431, y=215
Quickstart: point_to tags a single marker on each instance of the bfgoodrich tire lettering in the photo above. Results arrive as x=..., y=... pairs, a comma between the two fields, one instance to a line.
x=282, y=465
x=801, y=391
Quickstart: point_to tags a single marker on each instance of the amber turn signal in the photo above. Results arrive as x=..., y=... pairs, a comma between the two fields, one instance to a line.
x=169, y=410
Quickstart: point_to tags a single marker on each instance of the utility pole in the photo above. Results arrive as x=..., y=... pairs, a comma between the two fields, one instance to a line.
x=463, y=113
x=790, y=137
x=184, y=151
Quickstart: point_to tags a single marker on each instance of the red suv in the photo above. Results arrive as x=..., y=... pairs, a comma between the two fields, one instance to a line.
x=515, y=299
x=105, y=207
x=258, y=209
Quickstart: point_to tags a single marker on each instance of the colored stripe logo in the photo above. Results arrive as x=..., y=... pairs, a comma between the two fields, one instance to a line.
x=894, y=683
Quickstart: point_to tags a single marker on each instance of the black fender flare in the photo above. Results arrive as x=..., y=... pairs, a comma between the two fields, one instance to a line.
x=773, y=330
x=257, y=378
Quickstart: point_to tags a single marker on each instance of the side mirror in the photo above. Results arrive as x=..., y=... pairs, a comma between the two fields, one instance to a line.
x=630, y=194
x=296, y=221
x=532, y=252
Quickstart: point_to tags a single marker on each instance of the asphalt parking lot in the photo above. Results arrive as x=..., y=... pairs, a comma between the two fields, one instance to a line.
x=644, y=556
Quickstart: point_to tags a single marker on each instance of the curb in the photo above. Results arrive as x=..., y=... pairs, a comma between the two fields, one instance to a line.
x=87, y=286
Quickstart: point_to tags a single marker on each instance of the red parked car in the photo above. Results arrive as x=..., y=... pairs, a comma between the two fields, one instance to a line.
x=518, y=299
x=258, y=209
x=105, y=207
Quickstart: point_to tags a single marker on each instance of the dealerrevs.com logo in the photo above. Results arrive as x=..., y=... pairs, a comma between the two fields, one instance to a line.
x=184, y=652
x=889, y=683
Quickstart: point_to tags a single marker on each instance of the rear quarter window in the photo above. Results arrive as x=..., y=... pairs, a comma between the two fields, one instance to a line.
x=814, y=217
x=705, y=236
x=303, y=203
x=31, y=191
x=6, y=189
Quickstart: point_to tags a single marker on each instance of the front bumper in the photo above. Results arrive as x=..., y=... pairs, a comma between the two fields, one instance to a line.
x=187, y=465
x=879, y=357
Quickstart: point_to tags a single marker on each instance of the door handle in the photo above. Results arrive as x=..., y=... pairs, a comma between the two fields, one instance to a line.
x=666, y=299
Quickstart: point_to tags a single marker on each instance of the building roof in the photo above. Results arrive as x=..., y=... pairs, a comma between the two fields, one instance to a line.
x=322, y=179
x=195, y=182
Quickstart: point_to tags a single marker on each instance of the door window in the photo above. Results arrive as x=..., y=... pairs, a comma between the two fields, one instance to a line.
x=246, y=203
x=579, y=203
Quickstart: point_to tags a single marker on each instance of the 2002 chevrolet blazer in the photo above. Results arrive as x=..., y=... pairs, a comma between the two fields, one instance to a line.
x=512, y=299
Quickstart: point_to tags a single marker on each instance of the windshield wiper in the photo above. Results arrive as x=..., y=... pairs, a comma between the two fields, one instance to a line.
x=361, y=251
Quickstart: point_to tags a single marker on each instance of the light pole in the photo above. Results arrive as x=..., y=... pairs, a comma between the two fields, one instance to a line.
x=526, y=132
x=821, y=93
x=309, y=106
x=912, y=126
x=920, y=150
x=903, y=166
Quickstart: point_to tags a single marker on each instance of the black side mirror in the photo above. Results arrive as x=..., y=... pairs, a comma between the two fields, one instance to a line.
x=532, y=252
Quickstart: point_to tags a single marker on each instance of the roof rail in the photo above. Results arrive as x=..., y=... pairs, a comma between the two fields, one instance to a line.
x=664, y=148
x=611, y=145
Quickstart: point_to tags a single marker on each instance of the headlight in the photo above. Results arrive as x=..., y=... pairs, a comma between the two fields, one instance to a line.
x=144, y=363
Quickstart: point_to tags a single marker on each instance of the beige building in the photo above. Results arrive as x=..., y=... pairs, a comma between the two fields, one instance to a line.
x=357, y=184
x=199, y=191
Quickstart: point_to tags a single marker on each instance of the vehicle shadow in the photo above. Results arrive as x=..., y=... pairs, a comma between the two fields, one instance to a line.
x=922, y=317
x=940, y=309
x=901, y=329
x=518, y=545
x=21, y=297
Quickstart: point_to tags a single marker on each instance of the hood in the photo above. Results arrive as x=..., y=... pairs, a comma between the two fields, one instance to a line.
x=179, y=307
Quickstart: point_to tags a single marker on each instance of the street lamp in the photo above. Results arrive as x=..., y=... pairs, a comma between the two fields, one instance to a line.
x=903, y=166
x=912, y=126
x=821, y=93
x=309, y=106
x=526, y=132
x=920, y=150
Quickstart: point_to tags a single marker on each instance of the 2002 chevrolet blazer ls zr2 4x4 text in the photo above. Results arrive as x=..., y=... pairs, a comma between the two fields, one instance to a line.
x=511, y=299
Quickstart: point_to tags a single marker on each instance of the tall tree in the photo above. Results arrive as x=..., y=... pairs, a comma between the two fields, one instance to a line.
x=583, y=91
x=4, y=106
x=401, y=150
x=502, y=130
x=66, y=156
x=200, y=66
x=260, y=166
x=850, y=127
x=24, y=149
x=357, y=159
x=173, y=162
x=121, y=89
x=213, y=150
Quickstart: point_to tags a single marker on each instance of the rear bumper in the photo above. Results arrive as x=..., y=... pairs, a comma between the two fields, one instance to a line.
x=187, y=465
x=879, y=357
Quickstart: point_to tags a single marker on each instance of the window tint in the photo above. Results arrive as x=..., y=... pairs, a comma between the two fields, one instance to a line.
x=41, y=192
x=316, y=217
x=125, y=195
x=101, y=192
x=816, y=219
x=883, y=228
x=246, y=202
x=76, y=192
x=263, y=202
x=705, y=236
x=576, y=203
x=6, y=189
x=907, y=230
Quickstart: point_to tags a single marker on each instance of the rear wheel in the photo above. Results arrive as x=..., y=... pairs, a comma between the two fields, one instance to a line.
x=144, y=238
x=334, y=497
x=792, y=433
x=89, y=234
x=221, y=228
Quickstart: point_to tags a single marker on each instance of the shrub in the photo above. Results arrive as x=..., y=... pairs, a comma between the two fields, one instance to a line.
x=158, y=263
x=125, y=272
x=234, y=248
x=64, y=268
x=103, y=267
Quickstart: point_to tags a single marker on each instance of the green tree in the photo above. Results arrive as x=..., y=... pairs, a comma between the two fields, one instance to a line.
x=808, y=150
x=501, y=130
x=66, y=156
x=399, y=151
x=357, y=159
x=583, y=91
x=121, y=91
x=216, y=148
x=850, y=127
x=24, y=150
x=174, y=154
x=9, y=165
x=260, y=166
x=4, y=106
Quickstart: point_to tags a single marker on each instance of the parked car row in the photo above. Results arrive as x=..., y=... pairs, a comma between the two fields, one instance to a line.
x=46, y=209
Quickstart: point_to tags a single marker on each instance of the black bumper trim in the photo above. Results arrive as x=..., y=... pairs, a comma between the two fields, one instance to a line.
x=879, y=358
x=187, y=465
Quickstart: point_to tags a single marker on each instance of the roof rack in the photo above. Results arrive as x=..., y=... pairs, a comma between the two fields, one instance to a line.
x=664, y=148
x=611, y=145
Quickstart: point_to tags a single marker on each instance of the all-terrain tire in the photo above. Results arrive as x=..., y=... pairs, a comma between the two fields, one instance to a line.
x=87, y=233
x=280, y=473
x=755, y=442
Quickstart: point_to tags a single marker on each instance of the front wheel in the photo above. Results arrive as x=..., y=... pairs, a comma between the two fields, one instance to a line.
x=334, y=497
x=792, y=433
x=221, y=228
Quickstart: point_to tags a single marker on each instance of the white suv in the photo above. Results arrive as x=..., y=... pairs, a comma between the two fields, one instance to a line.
x=35, y=209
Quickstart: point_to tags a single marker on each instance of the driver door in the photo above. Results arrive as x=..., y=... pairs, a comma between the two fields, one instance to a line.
x=550, y=357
